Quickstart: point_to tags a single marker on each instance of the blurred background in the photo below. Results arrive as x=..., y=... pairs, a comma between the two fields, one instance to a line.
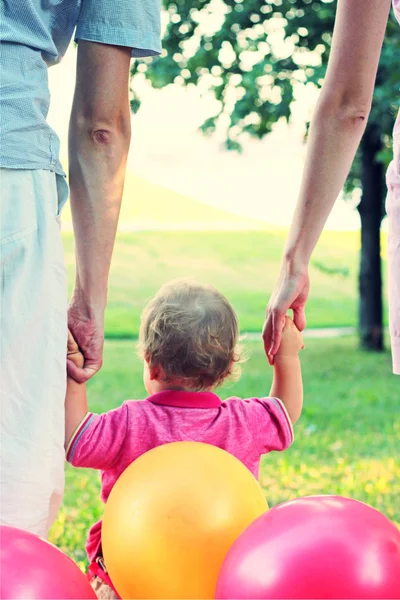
x=219, y=125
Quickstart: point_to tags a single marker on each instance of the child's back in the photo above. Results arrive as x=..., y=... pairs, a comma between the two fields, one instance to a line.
x=188, y=340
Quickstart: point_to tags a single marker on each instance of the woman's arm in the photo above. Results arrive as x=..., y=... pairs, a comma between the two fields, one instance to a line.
x=336, y=129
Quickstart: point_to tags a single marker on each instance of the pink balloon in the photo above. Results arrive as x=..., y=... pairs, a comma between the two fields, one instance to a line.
x=33, y=569
x=314, y=547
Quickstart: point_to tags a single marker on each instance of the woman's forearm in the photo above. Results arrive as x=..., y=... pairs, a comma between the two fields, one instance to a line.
x=334, y=137
x=340, y=118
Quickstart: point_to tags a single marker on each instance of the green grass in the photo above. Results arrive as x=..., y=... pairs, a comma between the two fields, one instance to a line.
x=243, y=265
x=348, y=436
x=346, y=443
x=148, y=205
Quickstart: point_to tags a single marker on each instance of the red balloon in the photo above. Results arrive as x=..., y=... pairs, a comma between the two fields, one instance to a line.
x=314, y=547
x=33, y=569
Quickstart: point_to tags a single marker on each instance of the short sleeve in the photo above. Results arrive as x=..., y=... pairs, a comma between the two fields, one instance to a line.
x=271, y=423
x=98, y=440
x=131, y=23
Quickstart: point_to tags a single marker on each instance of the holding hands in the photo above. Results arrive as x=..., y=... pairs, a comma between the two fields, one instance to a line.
x=86, y=324
x=291, y=340
x=74, y=355
x=291, y=292
x=287, y=383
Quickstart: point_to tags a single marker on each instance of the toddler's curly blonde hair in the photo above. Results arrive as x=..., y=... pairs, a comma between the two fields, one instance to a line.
x=191, y=331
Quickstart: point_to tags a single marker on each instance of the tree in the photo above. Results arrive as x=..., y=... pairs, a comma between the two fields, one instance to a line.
x=253, y=55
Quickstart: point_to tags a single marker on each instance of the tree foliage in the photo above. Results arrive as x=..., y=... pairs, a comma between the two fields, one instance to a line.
x=253, y=55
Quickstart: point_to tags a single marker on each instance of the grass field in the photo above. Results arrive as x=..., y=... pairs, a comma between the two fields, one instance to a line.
x=346, y=441
x=243, y=265
x=348, y=437
x=147, y=205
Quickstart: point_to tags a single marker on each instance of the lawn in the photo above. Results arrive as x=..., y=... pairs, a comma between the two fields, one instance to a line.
x=146, y=205
x=242, y=264
x=346, y=441
x=347, y=438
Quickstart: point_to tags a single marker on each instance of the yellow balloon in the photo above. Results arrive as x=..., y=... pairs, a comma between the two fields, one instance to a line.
x=172, y=517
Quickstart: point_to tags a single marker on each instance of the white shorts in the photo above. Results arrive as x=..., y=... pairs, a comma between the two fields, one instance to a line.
x=33, y=321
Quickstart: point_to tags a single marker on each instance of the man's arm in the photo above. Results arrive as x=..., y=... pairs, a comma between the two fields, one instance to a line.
x=337, y=125
x=99, y=138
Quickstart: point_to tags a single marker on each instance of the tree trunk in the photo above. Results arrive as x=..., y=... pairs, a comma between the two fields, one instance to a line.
x=371, y=212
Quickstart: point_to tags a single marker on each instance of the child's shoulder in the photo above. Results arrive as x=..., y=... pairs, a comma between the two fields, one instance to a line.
x=250, y=399
x=245, y=404
x=127, y=408
x=135, y=404
x=255, y=408
x=266, y=416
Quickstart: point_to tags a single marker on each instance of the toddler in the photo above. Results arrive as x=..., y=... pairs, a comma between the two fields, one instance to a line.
x=188, y=341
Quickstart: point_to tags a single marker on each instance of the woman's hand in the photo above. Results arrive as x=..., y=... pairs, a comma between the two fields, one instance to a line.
x=291, y=292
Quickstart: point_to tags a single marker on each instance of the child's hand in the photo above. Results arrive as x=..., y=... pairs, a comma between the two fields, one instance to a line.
x=73, y=353
x=292, y=340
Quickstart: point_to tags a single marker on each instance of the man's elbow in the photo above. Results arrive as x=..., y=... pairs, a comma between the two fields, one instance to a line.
x=105, y=134
x=103, y=130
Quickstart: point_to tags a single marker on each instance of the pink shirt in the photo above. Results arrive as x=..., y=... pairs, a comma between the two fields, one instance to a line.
x=112, y=441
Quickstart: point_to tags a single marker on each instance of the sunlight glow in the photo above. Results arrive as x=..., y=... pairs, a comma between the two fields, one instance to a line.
x=262, y=183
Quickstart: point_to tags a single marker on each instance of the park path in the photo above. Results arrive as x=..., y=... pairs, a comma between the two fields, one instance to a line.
x=320, y=332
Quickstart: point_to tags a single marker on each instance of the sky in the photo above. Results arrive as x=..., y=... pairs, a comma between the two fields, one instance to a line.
x=167, y=149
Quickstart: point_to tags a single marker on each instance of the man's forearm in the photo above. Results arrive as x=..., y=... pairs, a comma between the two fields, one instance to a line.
x=97, y=162
x=287, y=385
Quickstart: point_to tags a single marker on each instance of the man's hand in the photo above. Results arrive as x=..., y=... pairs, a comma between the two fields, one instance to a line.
x=87, y=327
x=291, y=292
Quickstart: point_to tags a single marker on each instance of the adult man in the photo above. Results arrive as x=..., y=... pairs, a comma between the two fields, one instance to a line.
x=34, y=36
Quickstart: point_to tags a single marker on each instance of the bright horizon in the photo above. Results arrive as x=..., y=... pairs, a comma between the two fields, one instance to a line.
x=167, y=149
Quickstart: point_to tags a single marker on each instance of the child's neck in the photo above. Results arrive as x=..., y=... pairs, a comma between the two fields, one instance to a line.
x=176, y=386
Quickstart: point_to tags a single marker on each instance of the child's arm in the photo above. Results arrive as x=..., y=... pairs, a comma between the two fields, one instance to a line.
x=76, y=406
x=287, y=384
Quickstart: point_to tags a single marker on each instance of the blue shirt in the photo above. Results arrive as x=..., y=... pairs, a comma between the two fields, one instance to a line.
x=35, y=35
